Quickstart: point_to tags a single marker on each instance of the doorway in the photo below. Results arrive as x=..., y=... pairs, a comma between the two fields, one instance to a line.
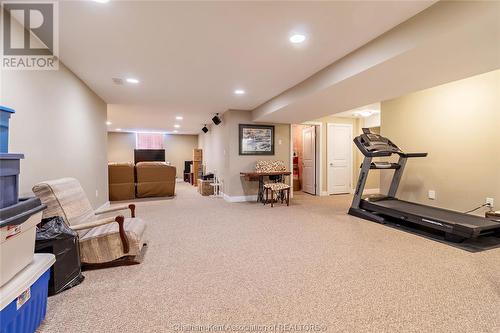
x=305, y=164
x=309, y=160
x=339, y=158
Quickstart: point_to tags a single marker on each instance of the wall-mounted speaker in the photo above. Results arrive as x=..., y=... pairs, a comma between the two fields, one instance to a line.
x=205, y=129
x=216, y=119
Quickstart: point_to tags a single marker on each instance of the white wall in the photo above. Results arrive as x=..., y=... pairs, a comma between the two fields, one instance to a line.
x=458, y=125
x=221, y=152
x=372, y=121
x=59, y=125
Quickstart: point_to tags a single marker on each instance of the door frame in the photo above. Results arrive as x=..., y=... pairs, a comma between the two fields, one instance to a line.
x=351, y=155
x=320, y=137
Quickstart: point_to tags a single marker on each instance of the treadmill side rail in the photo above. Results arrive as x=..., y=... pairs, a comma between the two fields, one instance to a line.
x=364, y=214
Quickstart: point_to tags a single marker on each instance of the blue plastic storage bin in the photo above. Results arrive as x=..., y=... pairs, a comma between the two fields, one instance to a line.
x=5, y=114
x=23, y=300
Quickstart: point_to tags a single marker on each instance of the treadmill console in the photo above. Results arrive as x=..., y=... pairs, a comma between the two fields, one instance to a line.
x=374, y=145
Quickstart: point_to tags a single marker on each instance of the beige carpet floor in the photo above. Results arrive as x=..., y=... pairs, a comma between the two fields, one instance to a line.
x=211, y=262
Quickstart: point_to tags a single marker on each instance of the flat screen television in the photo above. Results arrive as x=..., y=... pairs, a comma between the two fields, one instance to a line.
x=149, y=155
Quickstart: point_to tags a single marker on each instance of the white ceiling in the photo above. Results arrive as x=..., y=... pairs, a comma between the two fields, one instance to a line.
x=452, y=40
x=190, y=56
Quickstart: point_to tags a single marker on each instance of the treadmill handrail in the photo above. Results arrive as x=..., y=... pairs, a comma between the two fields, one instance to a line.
x=409, y=155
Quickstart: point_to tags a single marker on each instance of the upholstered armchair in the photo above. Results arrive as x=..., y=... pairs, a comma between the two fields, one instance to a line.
x=116, y=239
x=121, y=181
x=155, y=179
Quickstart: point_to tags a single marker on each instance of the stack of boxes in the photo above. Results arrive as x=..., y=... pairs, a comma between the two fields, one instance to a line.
x=24, y=276
x=197, y=165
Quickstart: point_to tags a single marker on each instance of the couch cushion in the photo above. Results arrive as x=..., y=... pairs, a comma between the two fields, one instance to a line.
x=65, y=197
x=277, y=186
x=154, y=172
x=103, y=243
x=156, y=189
x=119, y=173
x=119, y=192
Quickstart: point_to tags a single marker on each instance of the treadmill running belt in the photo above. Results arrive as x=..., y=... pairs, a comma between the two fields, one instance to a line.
x=444, y=215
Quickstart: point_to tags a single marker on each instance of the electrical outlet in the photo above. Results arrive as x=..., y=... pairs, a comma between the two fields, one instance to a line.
x=96, y=193
x=490, y=201
x=432, y=195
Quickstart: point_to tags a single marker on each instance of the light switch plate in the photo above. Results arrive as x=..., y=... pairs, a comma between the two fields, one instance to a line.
x=432, y=195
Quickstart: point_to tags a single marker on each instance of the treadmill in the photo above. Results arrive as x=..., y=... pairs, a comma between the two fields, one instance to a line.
x=456, y=226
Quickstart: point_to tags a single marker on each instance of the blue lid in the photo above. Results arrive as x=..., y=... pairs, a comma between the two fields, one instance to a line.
x=6, y=109
x=11, y=156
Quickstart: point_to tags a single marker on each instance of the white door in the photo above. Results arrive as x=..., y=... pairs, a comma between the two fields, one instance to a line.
x=309, y=160
x=339, y=158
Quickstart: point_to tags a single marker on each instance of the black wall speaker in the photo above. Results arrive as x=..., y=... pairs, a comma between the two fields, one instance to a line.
x=216, y=119
x=205, y=129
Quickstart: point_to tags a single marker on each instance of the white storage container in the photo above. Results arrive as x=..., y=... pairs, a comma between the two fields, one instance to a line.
x=17, y=240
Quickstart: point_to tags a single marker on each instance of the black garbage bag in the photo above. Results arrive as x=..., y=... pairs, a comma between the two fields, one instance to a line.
x=54, y=236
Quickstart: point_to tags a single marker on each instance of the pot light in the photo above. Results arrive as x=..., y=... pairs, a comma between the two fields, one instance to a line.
x=118, y=129
x=239, y=92
x=108, y=123
x=297, y=38
x=132, y=80
x=101, y=1
x=179, y=118
x=177, y=126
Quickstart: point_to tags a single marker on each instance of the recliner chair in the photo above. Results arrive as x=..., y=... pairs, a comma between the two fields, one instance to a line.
x=155, y=179
x=115, y=239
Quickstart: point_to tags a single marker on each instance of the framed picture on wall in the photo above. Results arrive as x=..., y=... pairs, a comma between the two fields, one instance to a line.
x=256, y=139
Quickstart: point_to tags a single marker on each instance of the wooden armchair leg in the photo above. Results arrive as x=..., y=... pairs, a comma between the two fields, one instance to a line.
x=132, y=210
x=272, y=198
x=123, y=236
x=267, y=196
x=288, y=196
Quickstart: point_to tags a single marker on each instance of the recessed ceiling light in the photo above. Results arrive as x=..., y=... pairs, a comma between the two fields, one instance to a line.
x=132, y=80
x=297, y=38
x=101, y=1
x=118, y=129
x=108, y=123
x=177, y=125
x=239, y=92
x=179, y=118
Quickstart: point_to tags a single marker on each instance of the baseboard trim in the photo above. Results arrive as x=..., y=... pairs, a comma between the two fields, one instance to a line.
x=324, y=193
x=242, y=198
x=371, y=191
